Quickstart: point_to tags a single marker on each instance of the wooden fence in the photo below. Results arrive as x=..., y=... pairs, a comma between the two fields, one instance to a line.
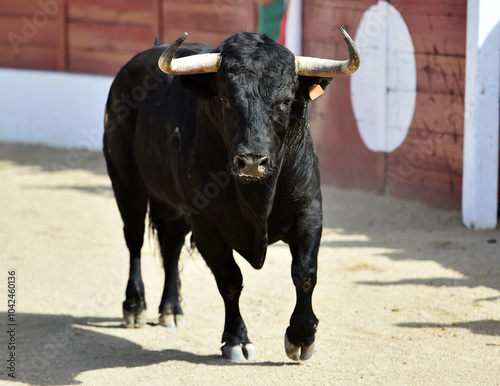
x=100, y=36
x=428, y=165
x=94, y=36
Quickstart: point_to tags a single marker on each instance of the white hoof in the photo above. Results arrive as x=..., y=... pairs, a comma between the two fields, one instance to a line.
x=245, y=352
x=134, y=320
x=180, y=322
x=141, y=319
x=233, y=353
x=250, y=352
x=172, y=321
x=128, y=319
x=167, y=320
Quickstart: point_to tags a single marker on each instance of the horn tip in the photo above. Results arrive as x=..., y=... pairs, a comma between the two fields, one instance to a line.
x=344, y=31
x=181, y=39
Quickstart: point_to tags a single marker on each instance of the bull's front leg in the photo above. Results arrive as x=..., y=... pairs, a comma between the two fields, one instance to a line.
x=219, y=257
x=304, y=240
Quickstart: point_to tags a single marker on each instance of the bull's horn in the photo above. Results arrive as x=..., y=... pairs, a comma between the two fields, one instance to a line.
x=194, y=64
x=326, y=68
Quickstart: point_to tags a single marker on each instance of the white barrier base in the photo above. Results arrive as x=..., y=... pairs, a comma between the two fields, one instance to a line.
x=53, y=108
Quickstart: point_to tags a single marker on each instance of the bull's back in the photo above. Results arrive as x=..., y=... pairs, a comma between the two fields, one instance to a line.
x=143, y=109
x=139, y=81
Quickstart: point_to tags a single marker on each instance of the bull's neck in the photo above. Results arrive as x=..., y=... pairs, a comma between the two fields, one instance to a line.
x=295, y=133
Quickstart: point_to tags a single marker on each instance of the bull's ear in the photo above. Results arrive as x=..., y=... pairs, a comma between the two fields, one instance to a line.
x=201, y=85
x=306, y=83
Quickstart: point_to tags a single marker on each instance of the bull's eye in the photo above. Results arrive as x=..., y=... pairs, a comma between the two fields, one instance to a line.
x=285, y=104
x=225, y=102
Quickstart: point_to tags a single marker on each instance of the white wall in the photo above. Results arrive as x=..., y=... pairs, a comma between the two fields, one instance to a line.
x=482, y=93
x=53, y=108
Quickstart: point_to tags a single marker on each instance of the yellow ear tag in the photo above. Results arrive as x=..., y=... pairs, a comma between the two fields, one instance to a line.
x=315, y=91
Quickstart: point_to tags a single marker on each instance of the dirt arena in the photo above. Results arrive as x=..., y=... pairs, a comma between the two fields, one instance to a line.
x=406, y=295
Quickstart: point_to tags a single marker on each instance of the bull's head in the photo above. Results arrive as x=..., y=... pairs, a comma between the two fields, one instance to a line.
x=256, y=91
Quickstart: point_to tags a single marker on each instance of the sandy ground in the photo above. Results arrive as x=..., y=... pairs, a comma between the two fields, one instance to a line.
x=406, y=295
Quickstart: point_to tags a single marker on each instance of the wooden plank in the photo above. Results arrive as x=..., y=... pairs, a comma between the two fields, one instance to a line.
x=440, y=35
x=25, y=31
x=62, y=38
x=30, y=56
x=196, y=3
x=332, y=124
x=332, y=47
x=356, y=5
x=381, y=167
x=431, y=151
x=212, y=38
x=441, y=190
x=453, y=8
x=405, y=7
x=25, y=8
x=97, y=62
x=321, y=24
x=339, y=140
x=207, y=17
x=440, y=74
x=104, y=37
x=348, y=171
x=157, y=14
x=439, y=113
x=113, y=11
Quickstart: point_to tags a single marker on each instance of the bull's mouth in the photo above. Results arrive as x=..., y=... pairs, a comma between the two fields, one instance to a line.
x=247, y=178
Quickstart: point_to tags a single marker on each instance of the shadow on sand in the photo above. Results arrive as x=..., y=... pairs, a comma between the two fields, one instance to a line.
x=55, y=349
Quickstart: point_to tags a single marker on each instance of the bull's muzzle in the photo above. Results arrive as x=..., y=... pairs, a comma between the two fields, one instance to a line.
x=251, y=167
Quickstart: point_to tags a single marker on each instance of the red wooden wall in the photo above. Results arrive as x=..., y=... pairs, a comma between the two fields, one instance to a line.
x=96, y=36
x=428, y=165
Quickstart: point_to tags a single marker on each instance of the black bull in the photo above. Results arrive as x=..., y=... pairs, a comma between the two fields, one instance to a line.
x=222, y=150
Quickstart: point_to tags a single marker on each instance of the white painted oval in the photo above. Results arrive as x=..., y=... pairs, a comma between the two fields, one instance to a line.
x=383, y=90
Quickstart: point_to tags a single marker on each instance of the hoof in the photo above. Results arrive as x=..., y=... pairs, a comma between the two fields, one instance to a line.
x=296, y=353
x=172, y=321
x=250, y=352
x=245, y=352
x=134, y=319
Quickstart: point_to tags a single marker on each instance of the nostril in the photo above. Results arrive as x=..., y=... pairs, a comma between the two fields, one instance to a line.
x=252, y=165
x=241, y=162
x=264, y=161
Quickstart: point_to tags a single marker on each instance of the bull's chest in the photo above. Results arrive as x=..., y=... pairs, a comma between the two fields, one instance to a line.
x=246, y=224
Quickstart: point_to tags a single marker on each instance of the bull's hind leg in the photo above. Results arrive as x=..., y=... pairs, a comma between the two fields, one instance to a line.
x=304, y=240
x=133, y=208
x=171, y=236
x=132, y=202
